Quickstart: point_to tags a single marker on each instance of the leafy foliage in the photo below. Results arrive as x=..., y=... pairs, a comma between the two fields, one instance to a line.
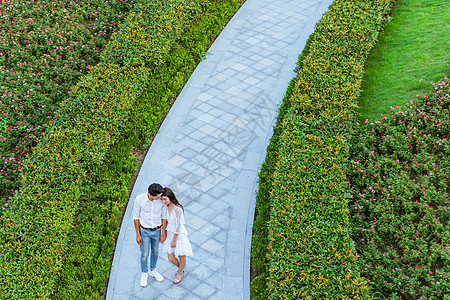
x=400, y=204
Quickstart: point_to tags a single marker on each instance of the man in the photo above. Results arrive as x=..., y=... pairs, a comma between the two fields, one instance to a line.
x=150, y=223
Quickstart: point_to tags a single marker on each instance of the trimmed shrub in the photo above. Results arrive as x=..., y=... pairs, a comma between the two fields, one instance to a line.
x=309, y=252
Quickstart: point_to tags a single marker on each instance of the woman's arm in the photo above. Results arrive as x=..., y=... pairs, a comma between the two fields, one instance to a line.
x=178, y=214
x=163, y=236
x=173, y=244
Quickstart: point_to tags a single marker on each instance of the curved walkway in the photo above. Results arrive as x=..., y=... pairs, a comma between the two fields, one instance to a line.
x=209, y=150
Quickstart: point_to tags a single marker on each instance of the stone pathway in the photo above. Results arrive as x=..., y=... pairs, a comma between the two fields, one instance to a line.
x=209, y=150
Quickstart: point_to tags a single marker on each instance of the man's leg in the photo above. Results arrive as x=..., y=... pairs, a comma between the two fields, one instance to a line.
x=154, y=241
x=145, y=247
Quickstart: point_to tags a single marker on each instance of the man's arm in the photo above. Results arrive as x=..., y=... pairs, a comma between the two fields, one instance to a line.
x=136, y=217
x=138, y=232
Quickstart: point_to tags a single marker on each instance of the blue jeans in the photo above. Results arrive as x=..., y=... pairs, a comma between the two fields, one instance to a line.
x=149, y=239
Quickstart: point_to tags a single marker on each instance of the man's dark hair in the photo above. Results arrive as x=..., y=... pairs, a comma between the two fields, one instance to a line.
x=155, y=189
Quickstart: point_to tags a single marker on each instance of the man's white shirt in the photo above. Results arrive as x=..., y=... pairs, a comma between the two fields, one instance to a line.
x=149, y=213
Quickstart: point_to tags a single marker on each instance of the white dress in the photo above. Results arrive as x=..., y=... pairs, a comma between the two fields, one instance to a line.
x=175, y=224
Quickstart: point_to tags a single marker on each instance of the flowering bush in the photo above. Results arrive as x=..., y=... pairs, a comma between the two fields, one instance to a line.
x=45, y=47
x=400, y=208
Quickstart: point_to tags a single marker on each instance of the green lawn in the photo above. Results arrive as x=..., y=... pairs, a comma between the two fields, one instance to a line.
x=412, y=51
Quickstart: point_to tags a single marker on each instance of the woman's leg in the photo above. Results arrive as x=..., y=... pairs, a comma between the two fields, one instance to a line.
x=182, y=263
x=173, y=259
x=180, y=271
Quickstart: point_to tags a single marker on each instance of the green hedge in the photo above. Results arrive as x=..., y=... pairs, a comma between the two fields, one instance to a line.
x=302, y=201
x=57, y=239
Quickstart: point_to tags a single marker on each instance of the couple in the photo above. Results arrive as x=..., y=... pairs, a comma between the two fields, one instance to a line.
x=159, y=217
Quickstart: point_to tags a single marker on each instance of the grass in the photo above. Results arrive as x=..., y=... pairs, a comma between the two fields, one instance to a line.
x=412, y=51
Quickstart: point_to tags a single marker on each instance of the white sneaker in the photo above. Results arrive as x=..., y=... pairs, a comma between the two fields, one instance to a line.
x=155, y=274
x=144, y=278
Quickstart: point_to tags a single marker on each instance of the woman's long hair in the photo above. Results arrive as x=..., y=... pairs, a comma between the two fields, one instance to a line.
x=168, y=193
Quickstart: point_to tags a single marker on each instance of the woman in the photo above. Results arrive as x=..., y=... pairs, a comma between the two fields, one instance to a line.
x=177, y=242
